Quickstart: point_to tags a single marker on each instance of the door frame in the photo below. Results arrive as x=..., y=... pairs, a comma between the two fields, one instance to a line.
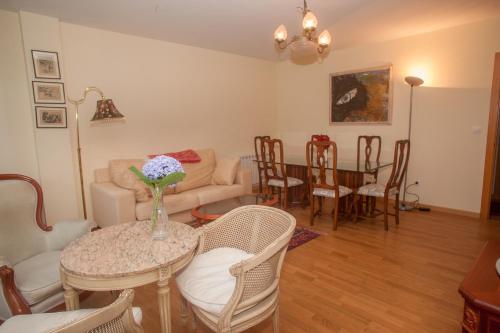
x=491, y=141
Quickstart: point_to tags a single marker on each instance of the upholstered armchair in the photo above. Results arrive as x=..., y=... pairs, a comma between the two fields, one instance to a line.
x=29, y=248
x=118, y=317
x=232, y=282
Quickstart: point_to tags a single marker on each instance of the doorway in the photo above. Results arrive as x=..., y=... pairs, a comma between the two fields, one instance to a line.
x=490, y=200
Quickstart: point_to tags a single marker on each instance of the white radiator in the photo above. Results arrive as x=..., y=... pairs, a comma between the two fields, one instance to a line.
x=248, y=162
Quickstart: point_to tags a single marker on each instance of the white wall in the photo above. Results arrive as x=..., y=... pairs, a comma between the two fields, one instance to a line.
x=450, y=110
x=17, y=141
x=173, y=96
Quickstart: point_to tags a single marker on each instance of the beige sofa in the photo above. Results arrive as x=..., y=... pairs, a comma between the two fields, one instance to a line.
x=118, y=197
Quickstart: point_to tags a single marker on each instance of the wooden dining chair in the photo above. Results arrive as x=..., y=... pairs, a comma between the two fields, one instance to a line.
x=369, y=149
x=275, y=171
x=319, y=186
x=393, y=185
x=319, y=137
x=257, y=141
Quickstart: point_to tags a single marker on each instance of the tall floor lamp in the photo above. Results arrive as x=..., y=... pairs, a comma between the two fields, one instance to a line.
x=105, y=111
x=413, y=81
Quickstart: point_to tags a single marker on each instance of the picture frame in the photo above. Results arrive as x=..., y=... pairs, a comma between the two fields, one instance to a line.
x=362, y=96
x=51, y=117
x=46, y=64
x=48, y=92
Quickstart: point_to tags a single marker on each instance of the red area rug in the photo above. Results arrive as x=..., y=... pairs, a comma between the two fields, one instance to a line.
x=300, y=235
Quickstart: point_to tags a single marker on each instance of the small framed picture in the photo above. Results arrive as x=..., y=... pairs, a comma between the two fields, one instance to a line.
x=50, y=117
x=46, y=64
x=48, y=92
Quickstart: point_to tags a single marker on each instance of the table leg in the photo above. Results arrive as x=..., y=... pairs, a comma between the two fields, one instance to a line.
x=71, y=298
x=164, y=300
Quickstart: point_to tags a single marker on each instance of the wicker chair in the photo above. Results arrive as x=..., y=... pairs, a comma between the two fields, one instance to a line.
x=262, y=232
x=119, y=317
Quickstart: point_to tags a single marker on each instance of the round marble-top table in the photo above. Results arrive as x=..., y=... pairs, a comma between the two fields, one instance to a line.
x=125, y=256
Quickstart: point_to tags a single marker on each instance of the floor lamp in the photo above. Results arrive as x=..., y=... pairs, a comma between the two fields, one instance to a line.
x=413, y=81
x=105, y=111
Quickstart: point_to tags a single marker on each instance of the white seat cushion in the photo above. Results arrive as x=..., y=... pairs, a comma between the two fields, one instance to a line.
x=47, y=322
x=280, y=183
x=375, y=190
x=206, y=282
x=38, y=277
x=324, y=192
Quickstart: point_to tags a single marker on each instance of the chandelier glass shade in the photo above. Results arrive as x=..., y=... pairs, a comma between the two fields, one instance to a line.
x=307, y=44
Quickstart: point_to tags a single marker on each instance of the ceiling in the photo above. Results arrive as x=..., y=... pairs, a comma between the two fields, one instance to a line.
x=246, y=26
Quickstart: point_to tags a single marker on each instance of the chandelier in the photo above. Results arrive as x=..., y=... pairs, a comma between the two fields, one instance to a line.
x=306, y=44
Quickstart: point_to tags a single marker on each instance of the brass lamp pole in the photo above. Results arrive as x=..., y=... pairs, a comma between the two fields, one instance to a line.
x=105, y=111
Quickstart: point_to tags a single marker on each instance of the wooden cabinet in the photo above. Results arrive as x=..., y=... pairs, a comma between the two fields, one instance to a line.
x=481, y=292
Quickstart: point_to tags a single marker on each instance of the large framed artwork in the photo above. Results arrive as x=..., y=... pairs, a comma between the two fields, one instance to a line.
x=361, y=97
x=48, y=92
x=50, y=117
x=45, y=64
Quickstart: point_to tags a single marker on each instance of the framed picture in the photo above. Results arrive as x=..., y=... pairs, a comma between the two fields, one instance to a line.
x=361, y=96
x=50, y=117
x=45, y=64
x=48, y=92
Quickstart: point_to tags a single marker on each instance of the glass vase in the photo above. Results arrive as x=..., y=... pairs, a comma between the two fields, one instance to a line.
x=159, y=216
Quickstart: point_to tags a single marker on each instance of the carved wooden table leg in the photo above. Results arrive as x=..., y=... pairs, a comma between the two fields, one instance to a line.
x=71, y=298
x=184, y=311
x=164, y=299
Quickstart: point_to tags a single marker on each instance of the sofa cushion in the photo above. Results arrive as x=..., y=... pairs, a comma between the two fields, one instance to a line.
x=174, y=203
x=225, y=171
x=123, y=177
x=212, y=193
x=38, y=277
x=207, y=282
x=198, y=174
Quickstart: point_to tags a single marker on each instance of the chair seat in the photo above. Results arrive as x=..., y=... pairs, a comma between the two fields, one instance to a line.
x=324, y=192
x=281, y=183
x=376, y=190
x=47, y=322
x=38, y=277
x=207, y=282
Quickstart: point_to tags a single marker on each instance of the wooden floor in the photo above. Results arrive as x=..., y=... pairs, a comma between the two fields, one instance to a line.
x=363, y=279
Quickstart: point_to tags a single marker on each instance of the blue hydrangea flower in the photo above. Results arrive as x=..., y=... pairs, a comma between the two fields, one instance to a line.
x=161, y=166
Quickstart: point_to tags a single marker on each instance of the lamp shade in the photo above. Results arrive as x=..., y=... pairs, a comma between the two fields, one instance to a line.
x=309, y=22
x=324, y=38
x=280, y=34
x=106, y=110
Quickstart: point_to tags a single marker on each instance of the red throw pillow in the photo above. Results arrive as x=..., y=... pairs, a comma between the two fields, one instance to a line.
x=185, y=156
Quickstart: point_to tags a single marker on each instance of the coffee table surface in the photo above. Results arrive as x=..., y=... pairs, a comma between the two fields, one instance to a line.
x=216, y=209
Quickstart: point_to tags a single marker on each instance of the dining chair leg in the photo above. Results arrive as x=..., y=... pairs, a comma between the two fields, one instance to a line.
x=373, y=203
x=336, y=214
x=260, y=181
x=285, y=195
x=355, y=199
x=276, y=320
x=396, y=215
x=311, y=216
x=386, y=207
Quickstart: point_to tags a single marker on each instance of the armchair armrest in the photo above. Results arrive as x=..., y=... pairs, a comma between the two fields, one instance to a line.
x=66, y=231
x=112, y=204
x=15, y=301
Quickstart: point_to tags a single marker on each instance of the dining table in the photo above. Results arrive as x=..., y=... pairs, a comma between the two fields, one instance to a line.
x=351, y=173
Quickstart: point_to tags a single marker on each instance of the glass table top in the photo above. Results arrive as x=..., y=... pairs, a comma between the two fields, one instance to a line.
x=224, y=206
x=342, y=165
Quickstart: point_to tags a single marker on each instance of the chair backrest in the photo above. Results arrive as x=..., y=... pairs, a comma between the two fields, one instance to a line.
x=273, y=160
x=317, y=158
x=264, y=231
x=114, y=318
x=369, y=149
x=320, y=137
x=257, y=142
x=400, y=164
x=22, y=221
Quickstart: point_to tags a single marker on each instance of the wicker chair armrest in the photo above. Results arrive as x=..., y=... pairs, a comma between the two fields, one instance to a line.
x=250, y=263
x=16, y=302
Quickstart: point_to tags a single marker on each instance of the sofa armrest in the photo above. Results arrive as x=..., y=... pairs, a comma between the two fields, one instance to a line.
x=112, y=204
x=66, y=231
x=244, y=177
x=15, y=302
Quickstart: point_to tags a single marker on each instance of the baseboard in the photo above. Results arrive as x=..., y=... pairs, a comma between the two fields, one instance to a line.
x=447, y=210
